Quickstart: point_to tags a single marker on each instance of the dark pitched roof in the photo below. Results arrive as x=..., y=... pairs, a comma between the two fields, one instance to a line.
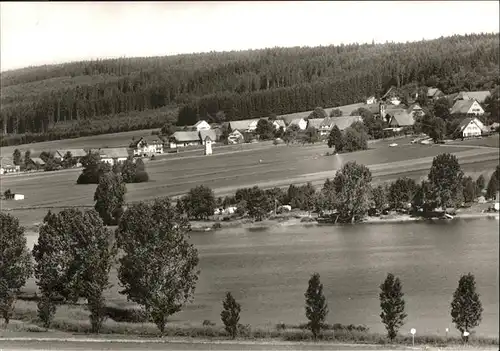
x=74, y=152
x=479, y=96
x=208, y=133
x=113, y=152
x=186, y=136
x=314, y=122
x=343, y=122
x=462, y=106
x=401, y=118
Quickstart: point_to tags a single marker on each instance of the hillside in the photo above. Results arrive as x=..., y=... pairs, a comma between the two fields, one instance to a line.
x=96, y=97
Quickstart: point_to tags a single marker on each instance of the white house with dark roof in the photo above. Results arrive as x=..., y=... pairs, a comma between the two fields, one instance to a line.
x=184, y=138
x=467, y=107
x=147, y=146
x=279, y=123
x=470, y=127
x=113, y=155
x=202, y=125
x=341, y=122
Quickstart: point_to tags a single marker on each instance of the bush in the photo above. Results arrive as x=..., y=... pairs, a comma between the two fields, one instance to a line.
x=207, y=323
x=141, y=177
x=130, y=315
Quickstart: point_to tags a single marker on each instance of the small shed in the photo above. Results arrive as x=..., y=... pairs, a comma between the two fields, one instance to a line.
x=18, y=197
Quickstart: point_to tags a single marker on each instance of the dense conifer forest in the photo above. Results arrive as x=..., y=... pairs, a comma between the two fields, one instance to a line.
x=96, y=97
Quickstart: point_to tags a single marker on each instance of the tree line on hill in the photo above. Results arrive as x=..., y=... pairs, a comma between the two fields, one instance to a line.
x=238, y=85
x=158, y=270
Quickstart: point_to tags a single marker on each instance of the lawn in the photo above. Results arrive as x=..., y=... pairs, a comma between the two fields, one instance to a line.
x=490, y=141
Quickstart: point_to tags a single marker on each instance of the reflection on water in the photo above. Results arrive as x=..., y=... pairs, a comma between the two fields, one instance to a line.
x=267, y=271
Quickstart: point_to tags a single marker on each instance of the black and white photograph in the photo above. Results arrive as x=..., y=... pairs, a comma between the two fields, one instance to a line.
x=249, y=175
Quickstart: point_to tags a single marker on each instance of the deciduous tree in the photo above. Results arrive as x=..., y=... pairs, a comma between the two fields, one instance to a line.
x=469, y=189
x=352, y=192
x=401, y=193
x=392, y=304
x=493, y=184
x=336, y=112
x=15, y=263
x=335, y=139
x=466, y=307
x=158, y=268
x=200, y=202
x=16, y=157
x=109, y=197
x=445, y=179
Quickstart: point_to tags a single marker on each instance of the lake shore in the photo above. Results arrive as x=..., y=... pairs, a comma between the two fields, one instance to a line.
x=301, y=218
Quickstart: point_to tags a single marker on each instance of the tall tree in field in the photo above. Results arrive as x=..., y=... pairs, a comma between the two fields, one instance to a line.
x=469, y=189
x=445, y=179
x=352, y=192
x=335, y=139
x=316, y=305
x=109, y=198
x=493, y=184
x=258, y=203
x=27, y=159
x=16, y=157
x=230, y=315
x=15, y=263
x=264, y=129
x=158, y=268
x=466, y=308
x=392, y=304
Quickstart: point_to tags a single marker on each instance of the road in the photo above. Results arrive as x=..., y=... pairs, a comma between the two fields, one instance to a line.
x=133, y=345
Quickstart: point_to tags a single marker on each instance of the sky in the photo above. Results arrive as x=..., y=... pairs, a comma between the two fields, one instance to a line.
x=37, y=33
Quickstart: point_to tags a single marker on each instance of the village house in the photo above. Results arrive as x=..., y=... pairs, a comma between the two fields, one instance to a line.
x=184, y=139
x=113, y=155
x=37, y=161
x=415, y=110
x=470, y=127
x=147, y=146
x=7, y=166
x=315, y=122
x=342, y=123
x=201, y=125
x=479, y=96
x=75, y=154
x=235, y=137
x=244, y=126
x=467, y=107
x=400, y=119
x=434, y=94
x=391, y=96
x=279, y=123
x=371, y=100
x=300, y=122
x=208, y=135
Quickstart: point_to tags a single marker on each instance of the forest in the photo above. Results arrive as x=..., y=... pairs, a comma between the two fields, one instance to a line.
x=103, y=96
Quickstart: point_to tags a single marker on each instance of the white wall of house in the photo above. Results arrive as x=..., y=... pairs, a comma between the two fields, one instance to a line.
x=252, y=126
x=395, y=101
x=107, y=160
x=371, y=100
x=476, y=109
x=174, y=145
x=325, y=130
x=202, y=125
x=471, y=130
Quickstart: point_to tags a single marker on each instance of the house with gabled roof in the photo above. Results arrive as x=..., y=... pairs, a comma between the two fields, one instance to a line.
x=210, y=134
x=201, y=125
x=470, y=127
x=235, y=137
x=147, y=146
x=342, y=123
x=279, y=123
x=315, y=122
x=400, y=119
x=434, y=94
x=113, y=155
x=8, y=166
x=300, y=122
x=75, y=153
x=184, y=138
x=467, y=107
x=391, y=96
x=479, y=96
x=371, y=100
x=245, y=125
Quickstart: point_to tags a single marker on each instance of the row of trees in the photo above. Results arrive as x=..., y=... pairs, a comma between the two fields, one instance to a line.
x=51, y=162
x=242, y=85
x=75, y=252
x=350, y=194
x=157, y=270
x=466, y=307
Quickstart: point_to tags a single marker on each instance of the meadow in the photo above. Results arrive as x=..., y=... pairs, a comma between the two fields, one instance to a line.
x=231, y=168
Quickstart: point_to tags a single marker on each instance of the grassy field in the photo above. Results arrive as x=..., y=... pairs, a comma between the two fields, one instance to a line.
x=230, y=168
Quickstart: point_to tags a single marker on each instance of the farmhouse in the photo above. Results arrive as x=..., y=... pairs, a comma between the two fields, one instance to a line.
x=279, y=123
x=400, y=119
x=467, y=107
x=201, y=125
x=7, y=166
x=341, y=122
x=245, y=125
x=300, y=122
x=434, y=94
x=183, y=139
x=146, y=146
x=208, y=135
x=371, y=100
x=479, y=96
x=391, y=96
x=37, y=161
x=315, y=122
x=415, y=110
x=235, y=137
x=470, y=127
x=75, y=153
x=113, y=155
